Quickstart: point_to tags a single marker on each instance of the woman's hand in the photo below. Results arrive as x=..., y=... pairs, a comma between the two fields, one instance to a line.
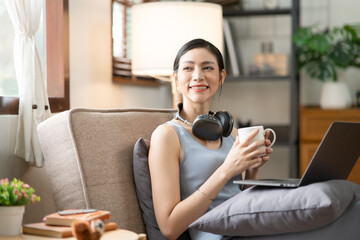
x=245, y=155
x=252, y=172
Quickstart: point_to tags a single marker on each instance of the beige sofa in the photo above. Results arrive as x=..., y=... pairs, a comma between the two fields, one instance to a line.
x=89, y=162
x=88, y=158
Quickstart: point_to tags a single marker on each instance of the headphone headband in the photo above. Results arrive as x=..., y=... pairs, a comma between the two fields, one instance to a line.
x=177, y=115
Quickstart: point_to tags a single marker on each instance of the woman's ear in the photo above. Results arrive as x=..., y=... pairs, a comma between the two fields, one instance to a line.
x=222, y=76
x=174, y=76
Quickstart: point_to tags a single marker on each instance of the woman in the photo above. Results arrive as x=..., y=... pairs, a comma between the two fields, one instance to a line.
x=190, y=175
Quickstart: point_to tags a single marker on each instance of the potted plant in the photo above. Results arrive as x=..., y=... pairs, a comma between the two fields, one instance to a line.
x=14, y=195
x=326, y=53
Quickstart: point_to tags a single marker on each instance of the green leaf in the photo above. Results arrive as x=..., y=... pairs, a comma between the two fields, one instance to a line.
x=319, y=43
x=321, y=53
x=10, y=198
x=301, y=36
x=323, y=70
x=342, y=53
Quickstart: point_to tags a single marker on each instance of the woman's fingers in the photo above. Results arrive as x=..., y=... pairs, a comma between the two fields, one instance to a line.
x=248, y=155
x=255, y=145
x=260, y=161
x=249, y=138
x=267, y=134
x=257, y=149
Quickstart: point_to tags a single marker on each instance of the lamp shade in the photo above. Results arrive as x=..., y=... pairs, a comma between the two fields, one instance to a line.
x=160, y=29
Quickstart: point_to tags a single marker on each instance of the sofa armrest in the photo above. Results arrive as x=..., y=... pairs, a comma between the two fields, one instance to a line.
x=61, y=162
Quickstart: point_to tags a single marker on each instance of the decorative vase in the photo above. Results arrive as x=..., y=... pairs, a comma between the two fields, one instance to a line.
x=11, y=220
x=335, y=95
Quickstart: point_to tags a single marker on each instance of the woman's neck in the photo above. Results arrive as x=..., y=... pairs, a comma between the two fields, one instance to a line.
x=191, y=110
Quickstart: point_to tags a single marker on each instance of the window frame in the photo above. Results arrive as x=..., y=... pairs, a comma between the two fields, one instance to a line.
x=132, y=80
x=57, y=60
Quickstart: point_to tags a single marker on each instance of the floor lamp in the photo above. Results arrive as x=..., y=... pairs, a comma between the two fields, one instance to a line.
x=159, y=29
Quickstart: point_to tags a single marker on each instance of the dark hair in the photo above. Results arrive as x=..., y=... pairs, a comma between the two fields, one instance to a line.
x=199, y=43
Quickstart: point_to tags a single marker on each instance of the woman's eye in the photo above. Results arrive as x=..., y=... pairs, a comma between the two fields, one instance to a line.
x=186, y=68
x=208, y=68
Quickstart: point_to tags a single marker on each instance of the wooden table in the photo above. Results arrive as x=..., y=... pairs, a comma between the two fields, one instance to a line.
x=119, y=234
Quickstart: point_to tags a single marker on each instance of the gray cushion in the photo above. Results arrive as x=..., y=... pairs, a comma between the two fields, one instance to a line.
x=143, y=188
x=143, y=191
x=267, y=211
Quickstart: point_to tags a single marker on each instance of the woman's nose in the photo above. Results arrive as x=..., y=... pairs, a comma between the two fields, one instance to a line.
x=198, y=74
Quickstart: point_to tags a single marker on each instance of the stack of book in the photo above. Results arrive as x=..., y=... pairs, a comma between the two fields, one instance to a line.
x=59, y=225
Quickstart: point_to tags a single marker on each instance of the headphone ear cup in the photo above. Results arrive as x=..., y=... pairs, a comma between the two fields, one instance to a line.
x=207, y=127
x=227, y=122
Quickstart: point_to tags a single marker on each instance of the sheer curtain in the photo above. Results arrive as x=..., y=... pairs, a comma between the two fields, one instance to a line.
x=33, y=100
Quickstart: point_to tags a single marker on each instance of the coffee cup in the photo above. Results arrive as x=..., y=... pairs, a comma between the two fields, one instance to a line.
x=244, y=133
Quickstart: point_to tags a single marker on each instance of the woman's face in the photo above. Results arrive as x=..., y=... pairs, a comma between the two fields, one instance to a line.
x=198, y=76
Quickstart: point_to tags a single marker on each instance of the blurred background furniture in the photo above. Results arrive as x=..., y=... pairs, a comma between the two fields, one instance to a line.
x=314, y=123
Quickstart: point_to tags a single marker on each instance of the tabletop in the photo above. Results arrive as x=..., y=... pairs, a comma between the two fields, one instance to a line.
x=119, y=234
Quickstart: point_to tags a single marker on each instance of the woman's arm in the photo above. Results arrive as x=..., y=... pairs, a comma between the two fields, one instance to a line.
x=173, y=215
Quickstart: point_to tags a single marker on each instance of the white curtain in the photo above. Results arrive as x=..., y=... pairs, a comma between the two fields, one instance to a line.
x=33, y=101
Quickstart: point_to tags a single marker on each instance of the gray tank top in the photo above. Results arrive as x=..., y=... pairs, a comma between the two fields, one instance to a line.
x=197, y=164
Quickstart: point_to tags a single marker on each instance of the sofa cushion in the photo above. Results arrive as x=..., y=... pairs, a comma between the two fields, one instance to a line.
x=267, y=211
x=143, y=191
x=143, y=188
x=89, y=158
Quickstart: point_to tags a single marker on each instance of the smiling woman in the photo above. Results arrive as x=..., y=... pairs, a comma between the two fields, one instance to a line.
x=57, y=64
x=208, y=77
x=192, y=173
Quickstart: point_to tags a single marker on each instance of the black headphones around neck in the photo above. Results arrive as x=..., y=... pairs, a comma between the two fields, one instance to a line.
x=209, y=126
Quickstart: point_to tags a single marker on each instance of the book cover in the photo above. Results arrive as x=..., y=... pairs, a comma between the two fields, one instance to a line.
x=42, y=229
x=45, y=230
x=67, y=220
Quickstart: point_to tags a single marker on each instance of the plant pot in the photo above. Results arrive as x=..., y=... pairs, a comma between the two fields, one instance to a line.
x=335, y=95
x=11, y=220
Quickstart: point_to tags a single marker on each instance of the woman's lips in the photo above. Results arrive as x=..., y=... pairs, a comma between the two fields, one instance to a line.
x=199, y=88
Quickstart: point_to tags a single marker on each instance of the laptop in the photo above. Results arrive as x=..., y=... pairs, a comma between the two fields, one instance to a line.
x=334, y=158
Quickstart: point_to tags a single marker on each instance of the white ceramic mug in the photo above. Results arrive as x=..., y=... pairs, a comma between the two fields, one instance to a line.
x=244, y=133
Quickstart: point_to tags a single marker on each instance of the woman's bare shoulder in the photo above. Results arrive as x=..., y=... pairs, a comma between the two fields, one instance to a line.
x=163, y=130
x=165, y=143
x=164, y=133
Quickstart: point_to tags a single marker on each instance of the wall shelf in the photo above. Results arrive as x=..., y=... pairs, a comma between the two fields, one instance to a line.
x=239, y=13
x=292, y=130
x=256, y=78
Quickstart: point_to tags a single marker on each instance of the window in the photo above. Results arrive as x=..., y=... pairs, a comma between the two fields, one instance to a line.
x=121, y=43
x=121, y=33
x=8, y=84
x=57, y=59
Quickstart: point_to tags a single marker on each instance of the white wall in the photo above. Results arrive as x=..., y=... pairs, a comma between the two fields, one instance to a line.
x=10, y=165
x=90, y=64
x=91, y=84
